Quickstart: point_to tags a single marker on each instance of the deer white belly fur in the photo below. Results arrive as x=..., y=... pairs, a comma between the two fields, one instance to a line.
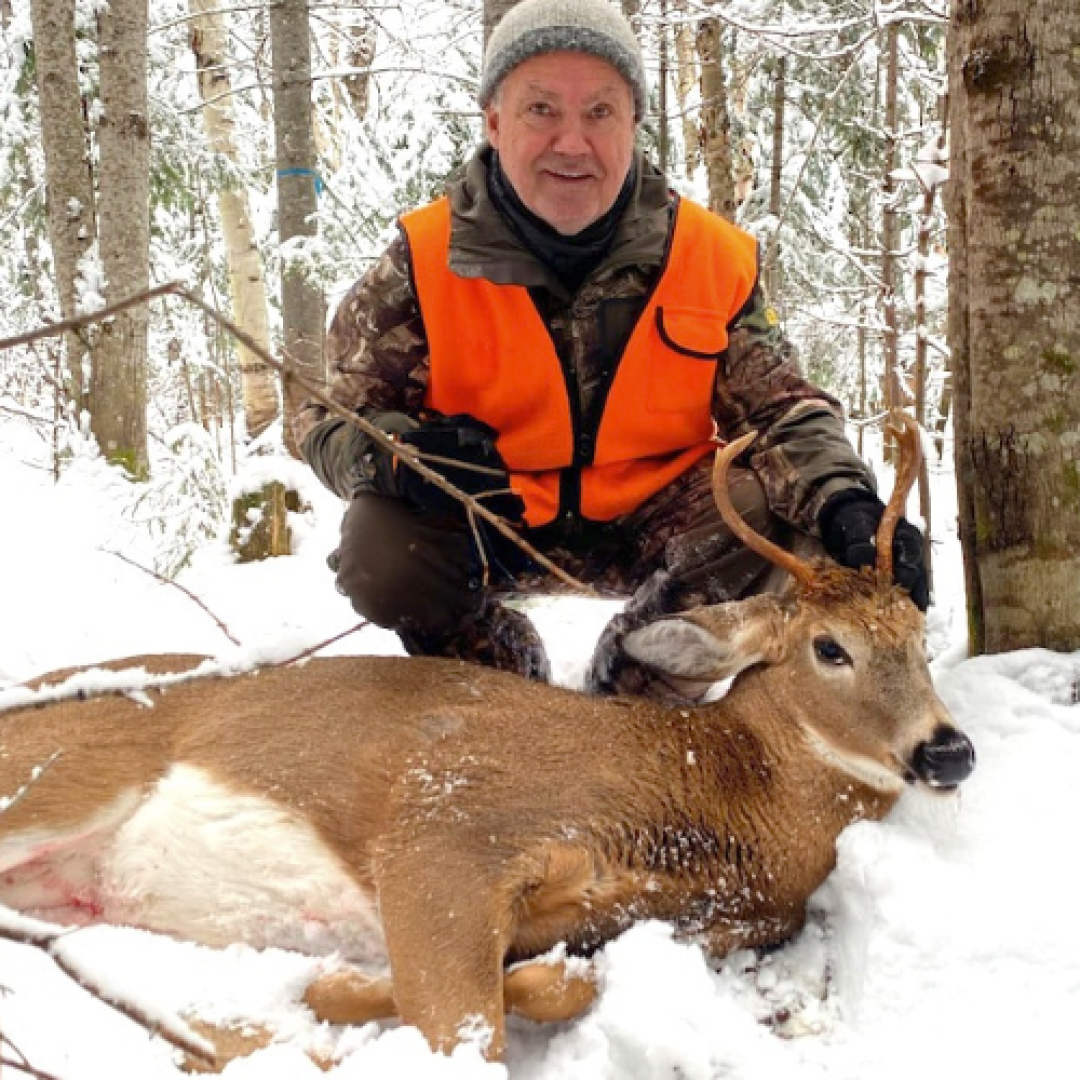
x=203, y=862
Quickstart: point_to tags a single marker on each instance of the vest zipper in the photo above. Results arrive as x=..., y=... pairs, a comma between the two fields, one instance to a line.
x=569, y=476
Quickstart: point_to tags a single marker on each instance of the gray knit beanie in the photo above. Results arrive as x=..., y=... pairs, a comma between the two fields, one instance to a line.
x=533, y=27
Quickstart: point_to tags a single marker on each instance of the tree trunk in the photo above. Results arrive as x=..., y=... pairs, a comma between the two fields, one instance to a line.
x=772, y=269
x=258, y=382
x=931, y=164
x=301, y=300
x=260, y=522
x=69, y=181
x=118, y=379
x=359, y=53
x=686, y=75
x=663, y=142
x=890, y=225
x=1014, y=237
x=715, y=121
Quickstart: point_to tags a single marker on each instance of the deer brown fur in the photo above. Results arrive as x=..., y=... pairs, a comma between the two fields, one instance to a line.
x=461, y=820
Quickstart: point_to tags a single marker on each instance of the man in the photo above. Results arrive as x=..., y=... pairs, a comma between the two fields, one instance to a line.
x=567, y=325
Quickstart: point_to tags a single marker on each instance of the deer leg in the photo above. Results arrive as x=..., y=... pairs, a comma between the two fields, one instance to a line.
x=548, y=992
x=447, y=942
x=761, y=929
x=349, y=997
x=540, y=991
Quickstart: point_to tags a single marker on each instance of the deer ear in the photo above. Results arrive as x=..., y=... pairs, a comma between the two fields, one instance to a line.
x=711, y=643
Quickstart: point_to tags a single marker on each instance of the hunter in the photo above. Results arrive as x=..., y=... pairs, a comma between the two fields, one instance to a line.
x=563, y=321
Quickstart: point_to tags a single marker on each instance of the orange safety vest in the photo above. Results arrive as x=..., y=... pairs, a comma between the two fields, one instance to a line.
x=492, y=356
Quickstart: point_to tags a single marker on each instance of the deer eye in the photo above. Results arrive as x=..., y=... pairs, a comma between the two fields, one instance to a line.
x=830, y=652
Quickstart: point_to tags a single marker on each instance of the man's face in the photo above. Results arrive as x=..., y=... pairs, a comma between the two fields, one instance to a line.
x=563, y=124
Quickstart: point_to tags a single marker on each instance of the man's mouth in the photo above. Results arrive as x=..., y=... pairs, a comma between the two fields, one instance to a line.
x=570, y=175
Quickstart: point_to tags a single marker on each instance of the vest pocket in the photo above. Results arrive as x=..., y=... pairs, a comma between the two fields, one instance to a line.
x=682, y=365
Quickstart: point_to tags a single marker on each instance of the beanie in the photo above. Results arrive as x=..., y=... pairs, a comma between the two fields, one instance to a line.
x=533, y=27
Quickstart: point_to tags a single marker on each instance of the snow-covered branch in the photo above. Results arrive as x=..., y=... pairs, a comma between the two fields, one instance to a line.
x=55, y=942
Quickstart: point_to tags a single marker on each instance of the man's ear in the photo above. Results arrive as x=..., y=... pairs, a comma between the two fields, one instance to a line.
x=491, y=124
x=711, y=643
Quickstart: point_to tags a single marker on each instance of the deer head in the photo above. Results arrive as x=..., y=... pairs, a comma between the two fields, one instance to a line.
x=841, y=651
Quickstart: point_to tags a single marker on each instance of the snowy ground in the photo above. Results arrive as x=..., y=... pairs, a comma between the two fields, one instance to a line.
x=944, y=945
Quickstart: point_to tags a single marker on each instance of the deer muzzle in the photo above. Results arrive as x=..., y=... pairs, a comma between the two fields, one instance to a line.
x=945, y=760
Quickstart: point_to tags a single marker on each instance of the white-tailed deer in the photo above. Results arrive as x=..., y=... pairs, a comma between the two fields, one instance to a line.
x=460, y=821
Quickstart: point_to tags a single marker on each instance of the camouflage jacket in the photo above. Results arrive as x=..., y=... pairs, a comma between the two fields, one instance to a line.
x=378, y=353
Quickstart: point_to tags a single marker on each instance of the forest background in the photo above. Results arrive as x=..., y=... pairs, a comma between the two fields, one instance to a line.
x=259, y=154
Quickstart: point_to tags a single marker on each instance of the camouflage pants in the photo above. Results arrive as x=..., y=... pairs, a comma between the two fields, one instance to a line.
x=421, y=576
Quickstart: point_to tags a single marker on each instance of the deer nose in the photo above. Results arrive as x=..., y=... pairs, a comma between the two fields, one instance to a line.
x=946, y=760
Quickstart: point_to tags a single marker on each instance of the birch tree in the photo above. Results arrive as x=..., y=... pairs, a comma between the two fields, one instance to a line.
x=258, y=383
x=1014, y=238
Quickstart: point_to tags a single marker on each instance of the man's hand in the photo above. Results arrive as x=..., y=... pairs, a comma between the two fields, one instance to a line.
x=449, y=445
x=849, y=523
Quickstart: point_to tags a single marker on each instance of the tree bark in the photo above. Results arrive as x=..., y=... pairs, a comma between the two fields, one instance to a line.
x=772, y=269
x=715, y=121
x=890, y=225
x=258, y=382
x=686, y=76
x=359, y=53
x=663, y=142
x=301, y=300
x=935, y=159
x=118, y=379
x=69, y=181
x=1014, y=238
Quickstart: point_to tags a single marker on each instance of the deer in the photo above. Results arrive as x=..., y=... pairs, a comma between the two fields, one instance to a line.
x=466, y=838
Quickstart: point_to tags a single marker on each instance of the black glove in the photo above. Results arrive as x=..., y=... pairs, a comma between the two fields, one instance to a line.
x=459, y=438
x=849, y=523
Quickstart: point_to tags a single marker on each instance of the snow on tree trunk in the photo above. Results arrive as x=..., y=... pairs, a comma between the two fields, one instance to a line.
x=301, y=300
x=68, y=176
x=258, y=382
x=118, y=383
x=1014, y=239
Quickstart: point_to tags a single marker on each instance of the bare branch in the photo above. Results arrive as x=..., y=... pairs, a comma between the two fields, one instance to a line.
x=404, y=453
x=176, y=585
x=21, y=1065
x=88, y=318
x=50, y=939
x=312, y=650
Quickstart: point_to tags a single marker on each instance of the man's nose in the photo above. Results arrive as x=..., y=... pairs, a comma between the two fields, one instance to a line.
x=570, y=137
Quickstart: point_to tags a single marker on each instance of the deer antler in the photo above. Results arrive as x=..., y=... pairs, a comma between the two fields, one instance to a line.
x=906, y=432
x=802, y=571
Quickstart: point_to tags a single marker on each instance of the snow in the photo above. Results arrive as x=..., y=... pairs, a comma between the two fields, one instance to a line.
x=942, y=946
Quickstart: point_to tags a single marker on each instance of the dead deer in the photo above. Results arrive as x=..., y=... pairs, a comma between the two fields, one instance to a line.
x=463, y=822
